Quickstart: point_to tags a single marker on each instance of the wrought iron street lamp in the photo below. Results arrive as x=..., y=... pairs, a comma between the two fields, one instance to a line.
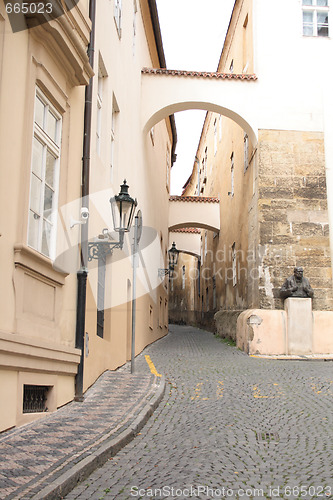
x=173, y=253
x=122, y=209
x=173, y=256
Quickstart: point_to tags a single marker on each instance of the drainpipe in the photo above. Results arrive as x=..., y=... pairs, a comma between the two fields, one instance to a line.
x=83, y=272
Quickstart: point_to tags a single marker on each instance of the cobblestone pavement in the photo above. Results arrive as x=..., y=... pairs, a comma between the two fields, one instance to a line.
x=229, y=426
x=51, y=453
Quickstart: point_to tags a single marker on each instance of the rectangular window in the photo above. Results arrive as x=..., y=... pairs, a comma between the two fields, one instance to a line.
x=151, y=317
x=160, y=317
x=114, y=123
x=246, y=152
x=165, y=312
x=135, y=9
x=44, y=176
x=35, y=398
x=315, y=17
x=232, y=172
x=183, y=278
x=214, y=292
x=168, y=167
x=117, y=15
x=101, y=295
x=234, y=265
x=99, y=111
x=215, y=137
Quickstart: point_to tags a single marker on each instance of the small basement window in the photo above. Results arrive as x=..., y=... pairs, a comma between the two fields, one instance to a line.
x=35, y=398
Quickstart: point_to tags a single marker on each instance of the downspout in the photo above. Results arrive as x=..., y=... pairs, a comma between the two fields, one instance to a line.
x=83, y=272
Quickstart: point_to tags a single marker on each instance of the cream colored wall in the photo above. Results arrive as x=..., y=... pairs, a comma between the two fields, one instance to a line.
x=142, y=162
x=234, y=220
x=239, y=40
x=37, y=303
x=264, y=332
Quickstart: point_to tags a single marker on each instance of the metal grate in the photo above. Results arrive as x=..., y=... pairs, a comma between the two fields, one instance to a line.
x=263, y=436
x=34, y=398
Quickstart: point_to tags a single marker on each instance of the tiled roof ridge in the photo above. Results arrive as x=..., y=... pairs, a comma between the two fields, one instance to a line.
x=202, y=74
x=186, y=230
x=198, y=199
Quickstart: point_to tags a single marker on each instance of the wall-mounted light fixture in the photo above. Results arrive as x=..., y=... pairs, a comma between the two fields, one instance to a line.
x=122, y=209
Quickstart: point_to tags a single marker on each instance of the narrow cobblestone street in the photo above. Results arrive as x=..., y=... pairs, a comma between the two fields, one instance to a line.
x=229, y=426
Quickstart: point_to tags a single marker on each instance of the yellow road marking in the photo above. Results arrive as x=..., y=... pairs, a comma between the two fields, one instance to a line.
x=197, y=391
x=219, y=390
x=152, y=367
x=257, y=393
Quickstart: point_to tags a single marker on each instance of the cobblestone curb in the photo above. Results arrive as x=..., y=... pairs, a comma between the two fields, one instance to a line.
x=67, y=481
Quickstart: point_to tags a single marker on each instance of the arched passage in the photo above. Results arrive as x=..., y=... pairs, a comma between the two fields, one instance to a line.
x=165, y=92
x=194, y=211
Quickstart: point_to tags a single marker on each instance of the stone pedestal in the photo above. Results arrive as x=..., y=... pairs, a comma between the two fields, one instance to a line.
x=299, y=325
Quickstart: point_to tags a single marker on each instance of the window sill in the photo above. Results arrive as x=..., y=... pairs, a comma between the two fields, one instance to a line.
x=29, y=258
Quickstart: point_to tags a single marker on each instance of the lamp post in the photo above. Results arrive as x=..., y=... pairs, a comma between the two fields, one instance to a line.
x=122, y=209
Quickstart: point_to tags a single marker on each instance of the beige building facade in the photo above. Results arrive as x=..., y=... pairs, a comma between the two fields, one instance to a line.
x=272, y=186
x=44, y=71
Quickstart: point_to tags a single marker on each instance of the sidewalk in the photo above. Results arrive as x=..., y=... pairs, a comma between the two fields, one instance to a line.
x=45, y=459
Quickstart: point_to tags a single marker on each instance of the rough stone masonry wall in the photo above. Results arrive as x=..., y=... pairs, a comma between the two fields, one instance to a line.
x=292, y=215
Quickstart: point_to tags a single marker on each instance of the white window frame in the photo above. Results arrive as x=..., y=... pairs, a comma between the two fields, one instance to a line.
x=117, y=16
x=315, y=9
x=53, y=146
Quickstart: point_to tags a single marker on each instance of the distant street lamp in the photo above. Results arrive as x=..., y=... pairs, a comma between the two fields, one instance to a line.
x=173, y=253
x=122, y=209
x=173, y=256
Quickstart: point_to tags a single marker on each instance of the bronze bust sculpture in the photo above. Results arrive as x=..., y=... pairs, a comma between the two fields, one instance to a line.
x=296, y=286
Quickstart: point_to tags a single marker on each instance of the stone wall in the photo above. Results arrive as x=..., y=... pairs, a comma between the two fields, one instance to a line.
x=226, y=323
x=292, y=215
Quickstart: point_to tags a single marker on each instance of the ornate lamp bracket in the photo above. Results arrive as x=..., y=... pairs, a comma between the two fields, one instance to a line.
x=100, y=249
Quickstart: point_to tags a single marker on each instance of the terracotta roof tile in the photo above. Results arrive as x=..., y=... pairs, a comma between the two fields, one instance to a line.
x=201, y=74
x=198, y=199
x=186, y=230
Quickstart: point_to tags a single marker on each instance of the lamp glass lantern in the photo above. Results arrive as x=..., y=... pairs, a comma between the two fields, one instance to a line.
x=123, y=208
x=173, y=256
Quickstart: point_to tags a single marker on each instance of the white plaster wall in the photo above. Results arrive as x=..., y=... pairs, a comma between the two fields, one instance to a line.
x=291, y=68
x=186, y=242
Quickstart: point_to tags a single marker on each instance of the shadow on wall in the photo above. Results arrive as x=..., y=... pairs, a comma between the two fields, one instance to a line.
x=193, y=318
